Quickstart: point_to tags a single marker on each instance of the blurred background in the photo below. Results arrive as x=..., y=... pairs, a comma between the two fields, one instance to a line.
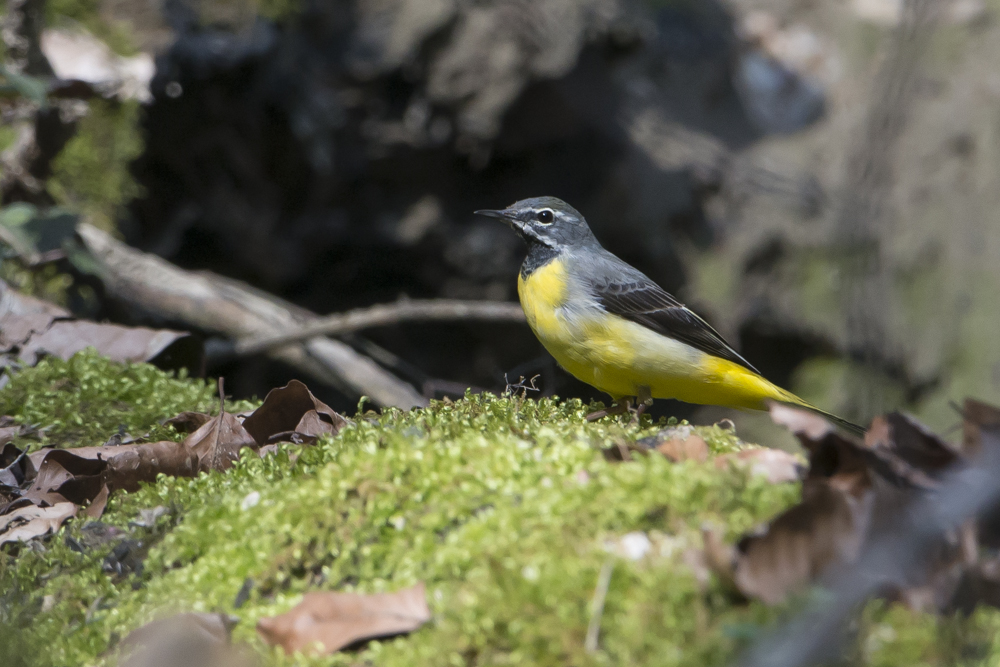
x=819, y=179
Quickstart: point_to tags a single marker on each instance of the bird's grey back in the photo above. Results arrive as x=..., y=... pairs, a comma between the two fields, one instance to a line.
x=602, y=270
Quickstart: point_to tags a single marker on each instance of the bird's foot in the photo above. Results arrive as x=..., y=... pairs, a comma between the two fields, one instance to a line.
x=642, y=402
x=620, y=407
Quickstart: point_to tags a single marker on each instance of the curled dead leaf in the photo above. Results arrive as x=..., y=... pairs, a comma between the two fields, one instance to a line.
x=66, y=473
x=905, y=452
x=26, y=523
x=331, y=621
x=292, y=409
x=854, y=489
x=216, y=444
x=804, y=424
x=827, y=527
x=188, y=422
x=123, y=467
x=80, y=475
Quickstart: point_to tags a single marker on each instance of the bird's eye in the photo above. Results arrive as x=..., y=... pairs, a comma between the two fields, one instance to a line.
x=545, y=217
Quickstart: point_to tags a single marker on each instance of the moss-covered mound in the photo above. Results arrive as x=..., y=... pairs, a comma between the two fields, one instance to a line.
x=506, y=508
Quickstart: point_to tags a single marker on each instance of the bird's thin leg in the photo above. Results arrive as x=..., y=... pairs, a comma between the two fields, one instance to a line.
x=621, y=406
x=643, y=400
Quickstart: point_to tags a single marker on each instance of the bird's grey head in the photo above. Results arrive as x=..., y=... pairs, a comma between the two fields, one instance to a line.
x=547, y=221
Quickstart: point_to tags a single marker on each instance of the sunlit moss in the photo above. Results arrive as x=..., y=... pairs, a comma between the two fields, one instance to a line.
x=83, y=401
x=91, y=173
x=506, y=508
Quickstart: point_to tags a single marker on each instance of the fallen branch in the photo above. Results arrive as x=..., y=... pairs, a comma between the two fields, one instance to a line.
x=382, y=315
x=212, y=303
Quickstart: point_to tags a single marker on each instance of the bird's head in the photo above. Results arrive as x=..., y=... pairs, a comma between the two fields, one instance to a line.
x=547, y=221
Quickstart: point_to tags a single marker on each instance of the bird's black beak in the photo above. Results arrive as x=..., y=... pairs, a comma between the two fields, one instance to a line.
x=507, y=216
x=501, y=215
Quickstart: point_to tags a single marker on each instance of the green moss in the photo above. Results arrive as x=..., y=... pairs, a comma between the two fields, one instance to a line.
x=506, y=509
x=45, y=282
x=91, y=173
x=85, y=400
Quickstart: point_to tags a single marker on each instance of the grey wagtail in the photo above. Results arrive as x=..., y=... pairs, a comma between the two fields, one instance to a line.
x=615, y=329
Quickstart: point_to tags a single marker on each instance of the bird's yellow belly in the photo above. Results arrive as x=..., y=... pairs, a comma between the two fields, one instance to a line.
x=618, y=356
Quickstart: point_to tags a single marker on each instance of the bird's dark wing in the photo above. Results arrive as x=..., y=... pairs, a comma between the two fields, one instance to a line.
x=637, y=298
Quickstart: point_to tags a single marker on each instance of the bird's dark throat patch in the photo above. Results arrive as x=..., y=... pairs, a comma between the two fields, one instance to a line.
x=539, y=255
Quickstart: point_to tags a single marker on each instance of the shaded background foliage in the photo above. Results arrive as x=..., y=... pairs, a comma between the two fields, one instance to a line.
x=817, y=178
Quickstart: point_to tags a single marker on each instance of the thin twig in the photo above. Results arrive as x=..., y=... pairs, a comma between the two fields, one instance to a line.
x=524, y=385
x=597, y=605
x=382, y=315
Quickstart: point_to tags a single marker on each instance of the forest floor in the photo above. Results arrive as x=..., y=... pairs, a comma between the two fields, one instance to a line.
x=506, y=508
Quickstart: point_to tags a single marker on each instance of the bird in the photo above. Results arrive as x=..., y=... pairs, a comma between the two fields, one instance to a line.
x=612, y=327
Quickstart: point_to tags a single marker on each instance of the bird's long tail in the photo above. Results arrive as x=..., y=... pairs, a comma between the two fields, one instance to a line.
x=794, y=401
x=755, y=391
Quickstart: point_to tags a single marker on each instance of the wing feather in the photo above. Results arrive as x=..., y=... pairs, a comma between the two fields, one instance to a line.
x=644, y=302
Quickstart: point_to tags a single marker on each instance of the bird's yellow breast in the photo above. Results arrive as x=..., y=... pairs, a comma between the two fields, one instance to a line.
x=592, y=345
x=542, y=294
x=619, y=356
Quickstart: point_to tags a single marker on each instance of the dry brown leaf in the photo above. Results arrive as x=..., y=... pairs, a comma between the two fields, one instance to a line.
x=128, y=465
x=188, y=422
x=8, y=433
x=87, y=474
x=96, y=507
x=897, y=447
x=691, y=448
x=802, y=423
x=64, y=338
x=776, y=465
x=287, y=409
x=826, y=528
x=184, y=640
x=36, y=328
x=218, y=441
x=331, y=621
x=905, y=452
x=66, y=473
x=853, y=489
x=216, y=445
x=21, y=316
x=314, y=424
x=29, y=522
